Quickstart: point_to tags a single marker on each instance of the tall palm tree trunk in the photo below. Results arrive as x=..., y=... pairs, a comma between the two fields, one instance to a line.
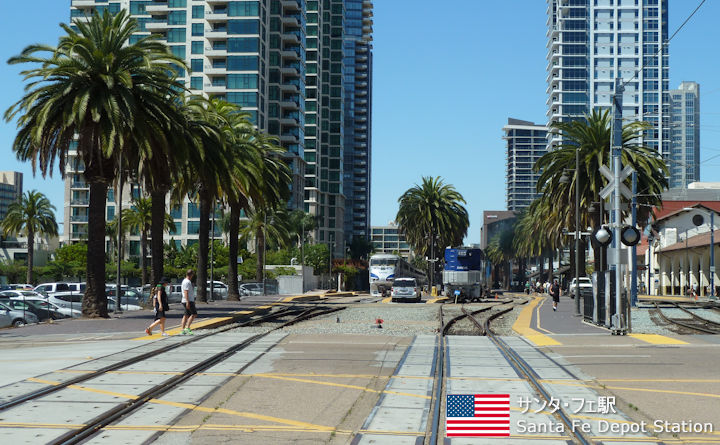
x=95, y=301
x=233, y=293
x=30, y=254
x=260, y=236
x=143, y=256
x=157, y=229
x=203, y=246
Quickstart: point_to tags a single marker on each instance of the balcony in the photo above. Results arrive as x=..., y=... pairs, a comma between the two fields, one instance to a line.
x=79, y=202
x=290, y=54
x=215, y=70
x=83, y=3
x=216, y=34
x=79, y=218
x=216, y=17
x=80, y=234
x=159, y=25
x=291, y=69
x=292, y=21
x=289, y=88
x=291, y=5
x=214, y=89
x=290, y=119
x=156, y=7
x=79, y=185
x=289, y=104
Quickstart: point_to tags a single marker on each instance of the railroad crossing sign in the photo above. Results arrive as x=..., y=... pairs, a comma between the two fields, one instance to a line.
x=610, y=187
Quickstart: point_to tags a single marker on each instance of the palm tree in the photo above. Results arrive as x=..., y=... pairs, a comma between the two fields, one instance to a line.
x=301, y=224
x=139, y=218
x=500, y=251
x=31, y=215
x=592, y=136
x=100, y=92
x=432, y=215
x=207, y=170
x=266, y=226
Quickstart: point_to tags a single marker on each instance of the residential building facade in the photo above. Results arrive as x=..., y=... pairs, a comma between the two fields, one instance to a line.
x=387, y=239
x=526, y=143
x=593, y=42
x=281, y=61
x=685, y=135
x=11, y=190
x=357, y=83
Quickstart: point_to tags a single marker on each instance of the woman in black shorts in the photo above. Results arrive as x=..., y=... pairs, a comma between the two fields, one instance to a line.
x=160, y=303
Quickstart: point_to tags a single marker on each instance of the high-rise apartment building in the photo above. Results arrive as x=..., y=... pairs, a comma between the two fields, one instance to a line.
x=526, y=143
x=388, y=239
x=593, y=42
x=357, y=81
x=11, y=190
x=282, y=61
x=685, y=135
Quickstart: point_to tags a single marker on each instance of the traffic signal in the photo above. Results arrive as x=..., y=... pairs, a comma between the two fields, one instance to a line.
x=629, y=235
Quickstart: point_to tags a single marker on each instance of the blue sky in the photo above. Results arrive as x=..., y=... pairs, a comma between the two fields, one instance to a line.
x=446, y=78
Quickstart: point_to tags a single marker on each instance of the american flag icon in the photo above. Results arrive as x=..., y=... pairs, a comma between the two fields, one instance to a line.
x=478, y=415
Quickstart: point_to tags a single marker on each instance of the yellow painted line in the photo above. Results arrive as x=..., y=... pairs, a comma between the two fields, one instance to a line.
x=435, y=300
x=657, y=339
x=85, y=388
x=387, y=300
x=537, y=315
x=522, y=326
x=243, y=312
x=264, y=307
x=189, y=406
x=655, y=297
x=663, y=380
x=296, y=423
x=623, y=388
x=342, y=385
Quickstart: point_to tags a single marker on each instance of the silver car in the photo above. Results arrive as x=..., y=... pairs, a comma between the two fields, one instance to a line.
x=405, y=289
x=17, y=317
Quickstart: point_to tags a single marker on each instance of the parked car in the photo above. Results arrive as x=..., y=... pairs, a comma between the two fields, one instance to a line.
x=21, y=286
x=77, y=287
x=41, y=301
x=4, y=287
x=41, y=308
x=50, y=289
x=124, y=306
x=251, y=289
x=69, y=300
x=174, y=293
x=405, y=289
x=5, y=319
x=585, y=287
x=21, y=294
x=129, y=295
x=18, y=318
x=220, y=290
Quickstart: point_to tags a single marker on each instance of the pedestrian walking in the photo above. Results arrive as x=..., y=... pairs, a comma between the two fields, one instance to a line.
x=160, y=304
x=555, y=293
x=527, y=288
x=188, y=301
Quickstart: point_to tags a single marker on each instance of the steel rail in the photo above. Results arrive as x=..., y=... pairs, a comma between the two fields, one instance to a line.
x=94, y=425
x=687, y=325
x=524, y=369
x=130, y=361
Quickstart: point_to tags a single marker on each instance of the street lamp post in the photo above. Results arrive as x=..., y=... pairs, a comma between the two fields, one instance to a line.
x=564, y=180
x=118, y=215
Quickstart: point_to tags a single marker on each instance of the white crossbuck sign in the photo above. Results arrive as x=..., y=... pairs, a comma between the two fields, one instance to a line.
x=610, y=187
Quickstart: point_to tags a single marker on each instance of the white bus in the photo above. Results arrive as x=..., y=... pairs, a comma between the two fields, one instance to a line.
x=384, y=268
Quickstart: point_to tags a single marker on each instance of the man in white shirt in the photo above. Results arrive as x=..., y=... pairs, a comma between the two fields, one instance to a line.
x=188, y=301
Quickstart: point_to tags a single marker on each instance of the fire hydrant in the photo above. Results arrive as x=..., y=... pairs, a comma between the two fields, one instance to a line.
x=378, y=323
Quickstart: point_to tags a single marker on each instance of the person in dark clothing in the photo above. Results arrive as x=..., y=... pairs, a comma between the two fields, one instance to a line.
x=555, y=293
x=160, y=304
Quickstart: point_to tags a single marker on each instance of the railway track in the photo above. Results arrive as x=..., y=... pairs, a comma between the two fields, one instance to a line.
x=521, y=367
x=695, y=322
x=93, y=426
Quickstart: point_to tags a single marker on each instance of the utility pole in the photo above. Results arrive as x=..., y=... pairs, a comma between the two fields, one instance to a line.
x=618, y=322
x=577, y=233
x=634, y=276
x=118, y=215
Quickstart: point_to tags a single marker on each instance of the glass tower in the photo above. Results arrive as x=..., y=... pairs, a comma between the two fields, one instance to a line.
x=358, y=103
x=526, y=143
x=592, y=42
x=685, y=134
x=283, y=62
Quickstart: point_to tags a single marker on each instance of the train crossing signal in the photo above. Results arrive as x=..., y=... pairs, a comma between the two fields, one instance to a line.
x=603, y=236
x=629, y=235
